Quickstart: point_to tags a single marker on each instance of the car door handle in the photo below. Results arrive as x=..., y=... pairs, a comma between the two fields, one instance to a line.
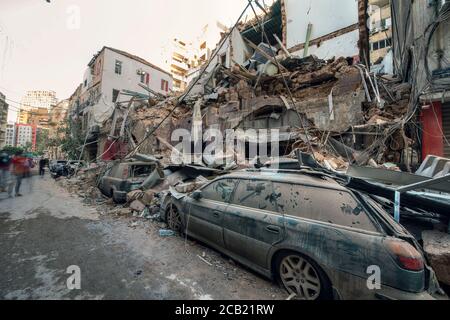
x=216, y=214
x=273, y=229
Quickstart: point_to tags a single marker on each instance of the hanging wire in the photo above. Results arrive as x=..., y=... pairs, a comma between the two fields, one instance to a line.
x=192, y=85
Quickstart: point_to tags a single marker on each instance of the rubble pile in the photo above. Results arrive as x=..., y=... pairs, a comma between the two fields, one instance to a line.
x=85, y=183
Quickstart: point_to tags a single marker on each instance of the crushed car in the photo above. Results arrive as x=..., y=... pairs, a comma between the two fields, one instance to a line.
x=319, y=239
x=125, y=177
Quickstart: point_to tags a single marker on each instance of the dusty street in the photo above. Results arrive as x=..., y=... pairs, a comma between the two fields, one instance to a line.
x=48, y=230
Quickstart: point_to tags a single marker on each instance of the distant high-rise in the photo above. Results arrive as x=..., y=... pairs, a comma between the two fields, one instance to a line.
x=39, y=99
x=3, y=119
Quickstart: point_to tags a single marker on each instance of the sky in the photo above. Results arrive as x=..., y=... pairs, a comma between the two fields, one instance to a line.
x=47, y=46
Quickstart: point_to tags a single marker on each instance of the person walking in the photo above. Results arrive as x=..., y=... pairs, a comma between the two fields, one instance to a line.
x=5, y=177
x=20, y=170
x=42, y=164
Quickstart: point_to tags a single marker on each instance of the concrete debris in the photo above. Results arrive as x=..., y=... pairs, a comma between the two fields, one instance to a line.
x=134, y=195
x=437, y=249
x=137, y=206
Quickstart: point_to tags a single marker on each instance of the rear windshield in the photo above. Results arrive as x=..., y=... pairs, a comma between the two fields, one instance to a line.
x=326, y=205
x=141, y=171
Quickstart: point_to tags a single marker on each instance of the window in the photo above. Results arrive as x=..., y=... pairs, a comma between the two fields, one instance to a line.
x=220, y=190
x=375, y=46
x=147, y=78
x=256, y=195
x=165, y=85
x=143, y=76
x=331, y=206
x=115, y=95
x=223, y=59
x=142, y=171
x=85, y=83
x=118, y=69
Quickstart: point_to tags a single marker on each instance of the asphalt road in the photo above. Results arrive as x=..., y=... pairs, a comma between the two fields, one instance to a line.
x=47, y=230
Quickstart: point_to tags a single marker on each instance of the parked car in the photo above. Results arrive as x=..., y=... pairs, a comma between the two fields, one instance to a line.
x=319, y=239
x=125, y=177
x=56, y=164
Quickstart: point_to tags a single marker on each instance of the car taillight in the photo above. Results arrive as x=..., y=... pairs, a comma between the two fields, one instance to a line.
x=405, y=254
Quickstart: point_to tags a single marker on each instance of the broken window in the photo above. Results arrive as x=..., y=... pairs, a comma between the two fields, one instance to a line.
x=164, y=85
x=118, y=69
x=115, y=95
x=223, y=59
x=256, y=195
x=220, y=191
x=141, y=171
x=326, y=205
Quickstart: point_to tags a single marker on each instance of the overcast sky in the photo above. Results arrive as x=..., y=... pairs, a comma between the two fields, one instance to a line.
x=42, y=48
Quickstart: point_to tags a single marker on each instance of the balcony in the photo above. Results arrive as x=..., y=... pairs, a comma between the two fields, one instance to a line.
x=379, y=3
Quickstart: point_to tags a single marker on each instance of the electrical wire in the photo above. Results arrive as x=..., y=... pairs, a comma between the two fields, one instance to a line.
x=192, y=85
x=284, y=80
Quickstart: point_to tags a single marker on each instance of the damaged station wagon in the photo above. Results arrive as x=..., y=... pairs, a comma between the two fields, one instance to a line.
x=319, y=239
x=128, y=176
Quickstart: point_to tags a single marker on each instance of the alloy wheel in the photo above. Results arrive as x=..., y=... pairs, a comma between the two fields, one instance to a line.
x=174, y=218
x=299, y=277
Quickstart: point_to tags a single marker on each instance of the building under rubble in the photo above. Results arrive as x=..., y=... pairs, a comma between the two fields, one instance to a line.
x=302, y=68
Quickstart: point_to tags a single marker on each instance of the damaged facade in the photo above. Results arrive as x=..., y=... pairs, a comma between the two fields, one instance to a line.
x=300, y=68
x=113, y=76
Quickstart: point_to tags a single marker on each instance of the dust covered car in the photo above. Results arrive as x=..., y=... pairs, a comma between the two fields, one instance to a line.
x=319, y=239
x=124, y=177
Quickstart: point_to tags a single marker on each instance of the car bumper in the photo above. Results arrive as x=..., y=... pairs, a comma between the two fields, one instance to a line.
x=351, y=287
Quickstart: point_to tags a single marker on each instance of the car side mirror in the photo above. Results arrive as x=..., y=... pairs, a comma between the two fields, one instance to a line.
x=197, y=195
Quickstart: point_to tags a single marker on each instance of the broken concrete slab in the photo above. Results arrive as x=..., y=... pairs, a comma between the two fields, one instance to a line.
x=437, y=249
x=137, y=206
x=134, y=195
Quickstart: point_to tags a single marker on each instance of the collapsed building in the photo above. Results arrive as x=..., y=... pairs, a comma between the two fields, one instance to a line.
x=315, y=89
x=301, y=68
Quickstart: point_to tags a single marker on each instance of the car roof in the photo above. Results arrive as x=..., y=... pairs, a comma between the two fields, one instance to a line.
x=296, y=178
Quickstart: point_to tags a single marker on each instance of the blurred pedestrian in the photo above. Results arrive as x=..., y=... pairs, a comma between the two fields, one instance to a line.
x=5, y=176
x=42, y=164
x=21, y=169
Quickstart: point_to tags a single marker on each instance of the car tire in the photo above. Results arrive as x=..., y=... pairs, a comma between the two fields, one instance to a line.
x=173, y=218
x=300, y=275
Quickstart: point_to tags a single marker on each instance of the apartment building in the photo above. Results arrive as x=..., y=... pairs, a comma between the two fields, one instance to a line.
x=38, y=99
x=34, y=116
x=10, y=135
x=112, y=77
x=3, y=119
x=25, y=135
x=380, y=30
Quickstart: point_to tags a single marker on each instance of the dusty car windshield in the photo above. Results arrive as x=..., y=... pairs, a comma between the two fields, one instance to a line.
x=220, y=190
x=255, y=194
x=326, y=205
